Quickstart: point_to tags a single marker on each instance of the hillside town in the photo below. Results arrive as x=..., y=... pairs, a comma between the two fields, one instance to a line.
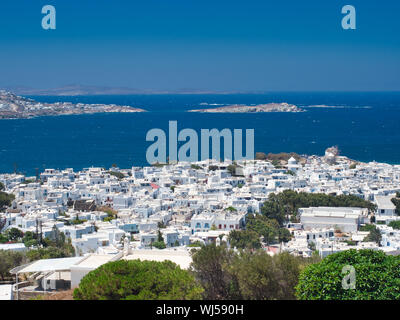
x=160, y=212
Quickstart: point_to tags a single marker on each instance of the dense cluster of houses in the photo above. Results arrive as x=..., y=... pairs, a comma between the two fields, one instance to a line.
x=201, y=202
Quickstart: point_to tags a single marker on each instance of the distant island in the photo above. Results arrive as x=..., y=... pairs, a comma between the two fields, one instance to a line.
x=16, y=107
x=237, y=108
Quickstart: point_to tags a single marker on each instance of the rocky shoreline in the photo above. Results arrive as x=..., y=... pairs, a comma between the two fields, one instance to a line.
x=16, y=107
x=270, y=107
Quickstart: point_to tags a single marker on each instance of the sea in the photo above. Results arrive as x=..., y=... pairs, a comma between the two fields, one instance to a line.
x=365, y=127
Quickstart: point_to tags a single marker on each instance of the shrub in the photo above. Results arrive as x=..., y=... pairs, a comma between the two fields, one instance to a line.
x=377, y=277
x=395, y=224
x=138, y=280
x=159, y=245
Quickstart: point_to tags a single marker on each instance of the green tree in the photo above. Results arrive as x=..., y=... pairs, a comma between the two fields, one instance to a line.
x=57, y=247
x=138, y=280
x=374, y=233
x=268, y=228
x=244, y=239
x=8, y=260
x=209, y=265
x=117, y=174
x=231, y=209
x=395, y=224
x=262, y=277
x=284, y=235
x=5, y=200
x=30, y=239
x=396, y=202
x=353, y=166
x=377, y=277
x=3, y=238
x=159, y=245
x=160, y=238
x=14, y=234
x=49, y=253
x=161, y=225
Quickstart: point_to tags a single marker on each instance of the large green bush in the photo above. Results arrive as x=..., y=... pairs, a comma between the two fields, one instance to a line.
x=138, y=280
x=377, y=277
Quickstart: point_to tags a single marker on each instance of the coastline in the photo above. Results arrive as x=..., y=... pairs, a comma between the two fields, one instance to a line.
x=259, y=108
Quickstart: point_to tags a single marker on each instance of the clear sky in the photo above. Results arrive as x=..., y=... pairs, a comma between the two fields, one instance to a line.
x=267, y=45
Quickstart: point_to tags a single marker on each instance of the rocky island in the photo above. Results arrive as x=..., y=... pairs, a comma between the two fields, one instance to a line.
x=16, y=107
x=237, y=108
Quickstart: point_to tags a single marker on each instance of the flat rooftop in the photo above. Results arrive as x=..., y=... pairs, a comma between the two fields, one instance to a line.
x=94, y=261
x=180, y=257
x=384, y=202
x=61, y=264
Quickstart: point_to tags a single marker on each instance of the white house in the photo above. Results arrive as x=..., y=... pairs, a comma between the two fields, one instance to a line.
x=345, y=219
x=385, y=205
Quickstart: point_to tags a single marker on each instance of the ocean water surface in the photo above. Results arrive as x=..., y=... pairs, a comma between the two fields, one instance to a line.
x=366, y=127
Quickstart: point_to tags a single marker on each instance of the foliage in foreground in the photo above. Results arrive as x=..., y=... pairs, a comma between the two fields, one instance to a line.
x=377, y=277
x=249, y=275
x=138, y=280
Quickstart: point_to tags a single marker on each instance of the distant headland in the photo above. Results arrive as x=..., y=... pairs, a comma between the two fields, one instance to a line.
x=16, y=107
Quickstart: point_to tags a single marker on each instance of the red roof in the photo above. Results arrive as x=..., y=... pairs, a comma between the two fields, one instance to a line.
x=154, y=186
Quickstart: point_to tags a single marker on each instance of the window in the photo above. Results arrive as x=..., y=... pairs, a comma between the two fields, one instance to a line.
x=206, y=225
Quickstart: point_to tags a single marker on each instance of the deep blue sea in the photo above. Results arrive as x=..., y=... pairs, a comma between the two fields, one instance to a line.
x=366, y=129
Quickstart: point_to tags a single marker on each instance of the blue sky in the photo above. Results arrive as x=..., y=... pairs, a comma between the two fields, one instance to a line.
x=285, y=45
